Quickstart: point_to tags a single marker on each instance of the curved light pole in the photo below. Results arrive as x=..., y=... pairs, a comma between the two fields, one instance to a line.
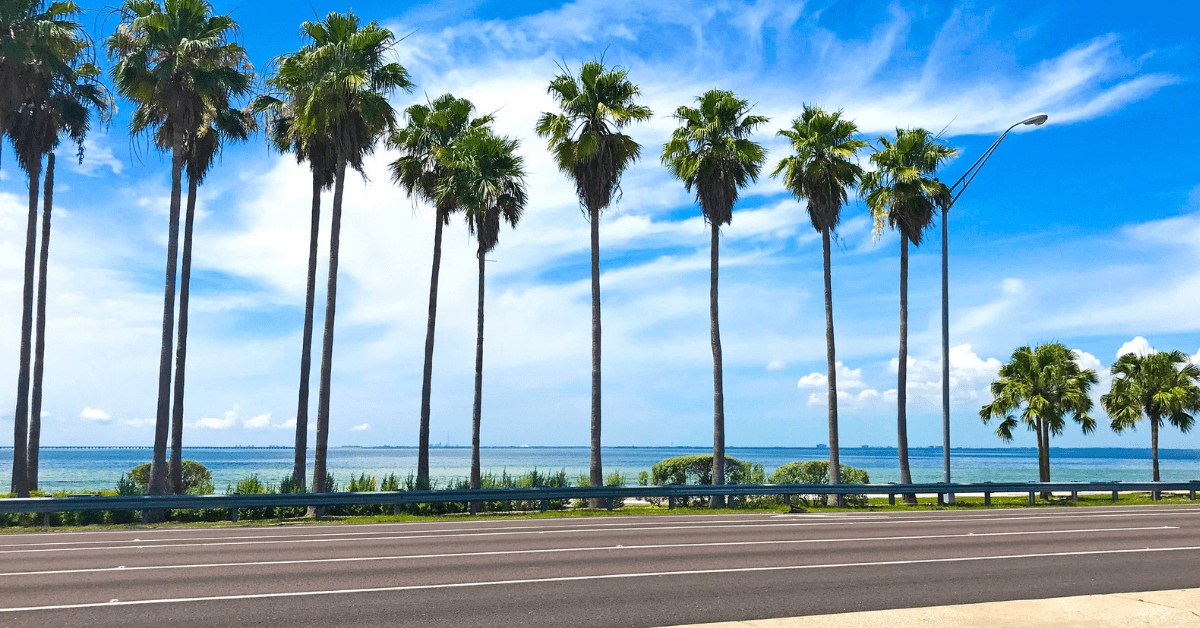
x=965, y=180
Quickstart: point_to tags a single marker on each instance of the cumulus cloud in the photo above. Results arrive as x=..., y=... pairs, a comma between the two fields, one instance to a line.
x=1138, y=346
x=846, y=378
x=845, y=398
x=208, y=423
x=776, y=365
x=970, y=375
x=361, y=428
x=257, y=422
x=92, y=414
x=138, y=423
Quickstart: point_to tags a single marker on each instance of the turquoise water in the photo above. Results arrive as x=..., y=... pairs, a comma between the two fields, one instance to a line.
x=77, y=469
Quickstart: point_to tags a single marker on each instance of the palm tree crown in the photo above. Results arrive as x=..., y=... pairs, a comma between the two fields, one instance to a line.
x=432, y=131
x=488, y=179
x=584, y=135
x=711, y=151
x=1049, y=384
x=824, y=166
x=1157, y=386
x=902, y=192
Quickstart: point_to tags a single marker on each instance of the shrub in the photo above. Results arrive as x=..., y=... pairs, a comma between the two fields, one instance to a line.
x=817, y=472
x=697, y=469
x=195, y=475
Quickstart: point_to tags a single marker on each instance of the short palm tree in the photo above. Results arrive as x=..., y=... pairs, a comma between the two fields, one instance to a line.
x=823, y=170
x=226, y=125
x=278, y=109
x=585, y=138
x=176, y=61
x=1155, y=387
x=49, y=90
x=712, y=153
x=903, y=193
x=432, y=129
x=488, y=182
x=339, y=84
x=1047, y=385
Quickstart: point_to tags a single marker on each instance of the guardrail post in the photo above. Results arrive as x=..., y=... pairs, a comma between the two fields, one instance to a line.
x=787, y=499
x=1114, y=497
x=610, y=503
x=1192, y=492
x=941, y=499
x=1074, y=496
x=987, y=499
x=395, y=509
x=545, y=505
x=46, y=519
x=1154, y=496
x=1032, y=495
x=950, y=498
x=233, y=514
x=671, y=503
x=891, y=499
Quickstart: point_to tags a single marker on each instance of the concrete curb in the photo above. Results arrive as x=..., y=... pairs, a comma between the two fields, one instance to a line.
x=1118, y=610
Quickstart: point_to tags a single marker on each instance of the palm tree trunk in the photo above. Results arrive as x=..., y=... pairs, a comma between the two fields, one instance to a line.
x=20, y=479
x=477, y=410
x=718, y=478
x=902, y=375
x=158, y=462
x=596, y=470
x=1044, y=455
x=335, y=229
x=301, y=457
x=1154, y=445
x=39, y=346
x=185, y=279
x=427, y=381
x=835, y=468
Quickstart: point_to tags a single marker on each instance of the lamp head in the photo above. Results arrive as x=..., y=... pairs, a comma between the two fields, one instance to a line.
x=1037, y=119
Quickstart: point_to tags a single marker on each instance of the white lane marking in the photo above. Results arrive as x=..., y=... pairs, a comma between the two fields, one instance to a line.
x=616, y=525
x=577, y=549
x=422, y=534
x=615, y=576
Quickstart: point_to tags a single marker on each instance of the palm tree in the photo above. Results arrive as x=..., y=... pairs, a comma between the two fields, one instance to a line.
x=279, y=111
x=488, y=181
x=227, y=124
x=1048, y=383
x=1155, y=387
x=904, y=194
x=339, y=83
x=43, y=61
x=822, y=171
x=711, y=152
x=177, y=62
x=431, y=129
x=588, y=146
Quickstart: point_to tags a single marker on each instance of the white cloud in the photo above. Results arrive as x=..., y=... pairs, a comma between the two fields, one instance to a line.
x=92, y=414
x=970, y=376
x=257, y=422
x=230, y=419
x=813, y=380
x=1138, y=346
x=97, y=156
x=361, y=428
x=846, y=378
x=776, y=365
x=845, y=398
x=1012, y=286
x=138, y=423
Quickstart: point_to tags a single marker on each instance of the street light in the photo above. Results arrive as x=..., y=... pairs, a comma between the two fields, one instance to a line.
x=1037, y=119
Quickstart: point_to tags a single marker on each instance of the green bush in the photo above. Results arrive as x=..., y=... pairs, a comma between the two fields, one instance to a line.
x=697, y=469
x=195, y=476
x=817, y=472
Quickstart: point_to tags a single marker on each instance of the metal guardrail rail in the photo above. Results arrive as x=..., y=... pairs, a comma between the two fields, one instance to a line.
x=544, y=495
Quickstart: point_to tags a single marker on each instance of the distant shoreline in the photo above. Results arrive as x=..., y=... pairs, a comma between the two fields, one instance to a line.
x=585, y=447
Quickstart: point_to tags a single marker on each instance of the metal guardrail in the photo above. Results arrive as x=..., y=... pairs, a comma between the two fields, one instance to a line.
x=544, y=495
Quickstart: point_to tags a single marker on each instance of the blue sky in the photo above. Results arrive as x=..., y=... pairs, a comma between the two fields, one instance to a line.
x=1084, y=231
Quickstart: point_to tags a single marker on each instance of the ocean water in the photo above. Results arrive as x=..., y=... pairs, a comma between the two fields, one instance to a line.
x=78, y=469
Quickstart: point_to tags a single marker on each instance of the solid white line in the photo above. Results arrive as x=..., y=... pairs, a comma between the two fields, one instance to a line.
x=576, y=549
x=690, y=572
x=455, y=533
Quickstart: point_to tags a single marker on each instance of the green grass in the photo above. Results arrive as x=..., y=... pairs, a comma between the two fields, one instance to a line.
x=971, y=502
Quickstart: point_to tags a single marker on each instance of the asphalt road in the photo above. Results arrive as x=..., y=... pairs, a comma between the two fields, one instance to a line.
x=596, y=571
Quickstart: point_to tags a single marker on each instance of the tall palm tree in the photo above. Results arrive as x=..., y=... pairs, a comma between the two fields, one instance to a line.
x=69, y=112
x=711, y=152
x=176, y=61
x=488, y=181
x=279, y=110
x=904, y=194
x=1047, y=385
x=339, y=83
x=588, y=146
x=431, y=129
x=821, y=172
x=1154, y=387
x=227, y=124
x=49, y=91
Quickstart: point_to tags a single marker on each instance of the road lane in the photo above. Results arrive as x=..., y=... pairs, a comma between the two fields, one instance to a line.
x=636, y=571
